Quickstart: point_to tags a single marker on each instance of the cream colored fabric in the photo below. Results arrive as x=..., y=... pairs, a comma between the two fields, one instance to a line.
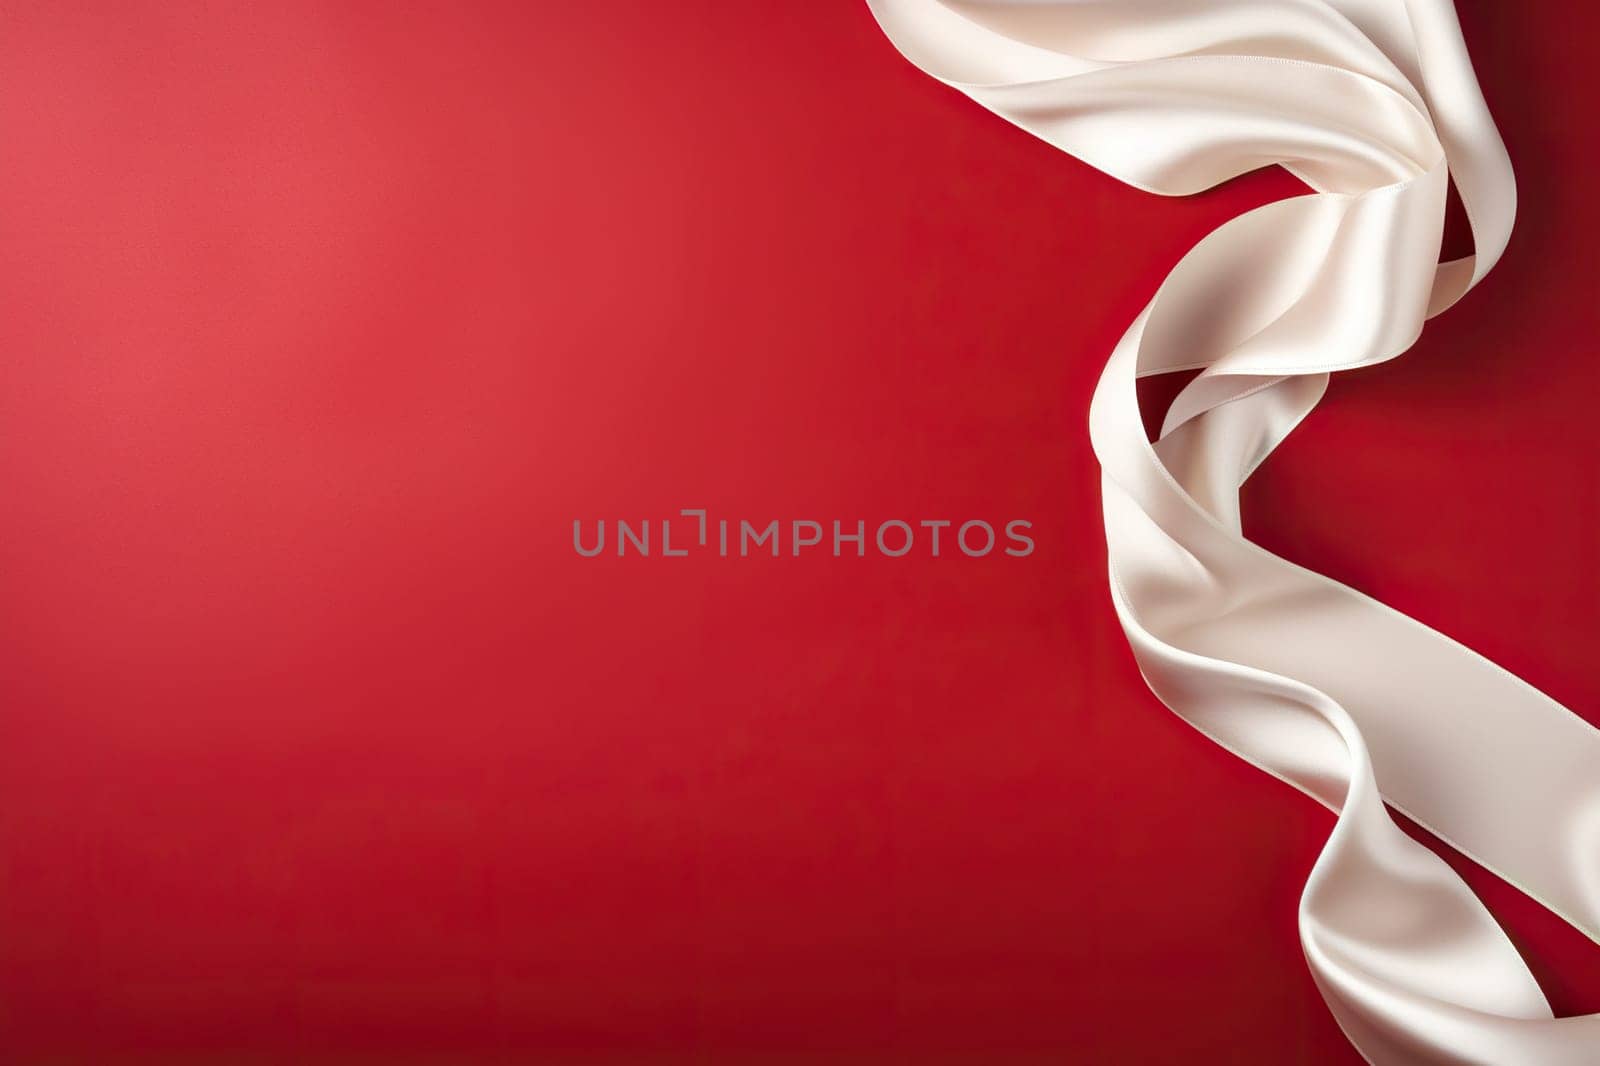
x=1373, y=103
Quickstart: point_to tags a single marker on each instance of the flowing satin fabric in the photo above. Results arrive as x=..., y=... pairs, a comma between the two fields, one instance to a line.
x=1372, y=103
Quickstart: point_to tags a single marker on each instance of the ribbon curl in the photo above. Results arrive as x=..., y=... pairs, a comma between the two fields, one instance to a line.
x=1374, y=105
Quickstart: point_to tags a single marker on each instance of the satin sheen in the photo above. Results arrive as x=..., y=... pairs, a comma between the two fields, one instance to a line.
x=1374, y=105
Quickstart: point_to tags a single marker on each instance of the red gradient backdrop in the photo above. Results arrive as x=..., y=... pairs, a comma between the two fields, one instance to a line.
x=321, y=322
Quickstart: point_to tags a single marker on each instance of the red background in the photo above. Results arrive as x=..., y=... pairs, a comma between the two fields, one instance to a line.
x=319, y=326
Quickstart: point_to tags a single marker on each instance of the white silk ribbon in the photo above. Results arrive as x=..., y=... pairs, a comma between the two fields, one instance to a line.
x=1374, y=105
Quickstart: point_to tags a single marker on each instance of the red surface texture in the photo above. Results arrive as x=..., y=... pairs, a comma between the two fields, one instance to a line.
x=320, y=323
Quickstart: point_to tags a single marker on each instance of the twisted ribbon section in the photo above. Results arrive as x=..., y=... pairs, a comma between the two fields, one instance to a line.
x=1374, y=105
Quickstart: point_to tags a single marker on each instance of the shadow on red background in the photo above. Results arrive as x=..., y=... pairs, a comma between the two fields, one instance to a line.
x=319, y=327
